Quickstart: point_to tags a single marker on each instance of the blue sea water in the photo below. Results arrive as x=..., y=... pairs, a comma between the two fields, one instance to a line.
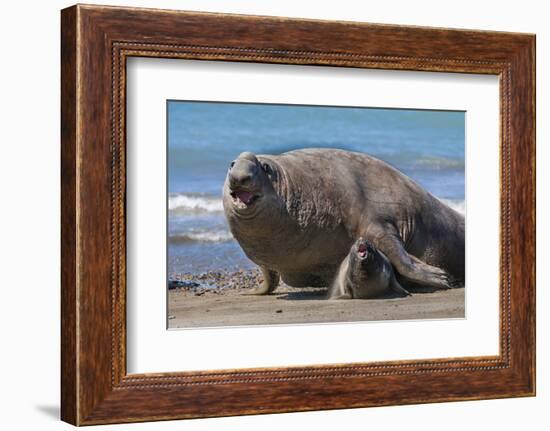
x=204, y=137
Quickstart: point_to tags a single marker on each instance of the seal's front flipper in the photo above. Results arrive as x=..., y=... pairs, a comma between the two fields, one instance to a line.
x=337, y=292
x=339, y=288
x=270, y=283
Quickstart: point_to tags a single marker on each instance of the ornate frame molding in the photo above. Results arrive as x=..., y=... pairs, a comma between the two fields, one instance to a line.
x=96, y=41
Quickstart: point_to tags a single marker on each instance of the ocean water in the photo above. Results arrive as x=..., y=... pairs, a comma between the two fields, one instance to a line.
x=204, y=137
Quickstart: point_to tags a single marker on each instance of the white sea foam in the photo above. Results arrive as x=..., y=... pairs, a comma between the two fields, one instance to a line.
x=438, y=163
x=456, y=204
x=207, y=236
x=192, y=204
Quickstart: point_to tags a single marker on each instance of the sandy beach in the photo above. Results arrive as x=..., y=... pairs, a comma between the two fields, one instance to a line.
x=221, y=298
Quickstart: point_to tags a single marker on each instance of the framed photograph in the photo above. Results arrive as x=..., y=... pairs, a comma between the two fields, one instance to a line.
x=221, y=242
x=265, y=214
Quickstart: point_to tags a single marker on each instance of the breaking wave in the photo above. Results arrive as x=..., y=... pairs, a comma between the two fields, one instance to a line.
x=203, y=237
x=456, y=204
x=189, y=203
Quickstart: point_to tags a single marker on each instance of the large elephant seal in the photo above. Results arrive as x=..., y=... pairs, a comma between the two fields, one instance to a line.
x=297, y=214
x=365, y=273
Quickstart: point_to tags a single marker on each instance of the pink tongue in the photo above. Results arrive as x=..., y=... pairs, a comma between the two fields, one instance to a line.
x=244, y=196
x=362, y=251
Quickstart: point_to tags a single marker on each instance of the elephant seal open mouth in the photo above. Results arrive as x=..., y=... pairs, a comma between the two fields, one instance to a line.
x=243, y=197
x=362, y=250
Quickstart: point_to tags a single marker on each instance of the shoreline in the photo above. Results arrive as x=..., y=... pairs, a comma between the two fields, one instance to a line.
x=220, y=298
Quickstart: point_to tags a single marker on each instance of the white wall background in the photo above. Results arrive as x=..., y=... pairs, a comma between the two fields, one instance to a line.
x=29, y=214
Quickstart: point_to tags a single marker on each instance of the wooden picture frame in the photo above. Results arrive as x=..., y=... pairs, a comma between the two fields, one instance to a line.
x=95, y=43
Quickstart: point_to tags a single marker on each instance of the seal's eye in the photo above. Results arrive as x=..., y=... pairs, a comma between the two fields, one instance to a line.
x=231, y=165
x=266, y=168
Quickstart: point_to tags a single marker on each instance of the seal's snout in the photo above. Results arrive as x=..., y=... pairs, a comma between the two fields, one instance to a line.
x=239, y=179
x=241, y=174
x=243, y=180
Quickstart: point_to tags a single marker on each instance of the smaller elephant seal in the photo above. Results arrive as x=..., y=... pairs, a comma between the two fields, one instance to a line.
x=365, y=273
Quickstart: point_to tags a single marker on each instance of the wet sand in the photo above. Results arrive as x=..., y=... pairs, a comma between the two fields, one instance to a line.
x=222, y=299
